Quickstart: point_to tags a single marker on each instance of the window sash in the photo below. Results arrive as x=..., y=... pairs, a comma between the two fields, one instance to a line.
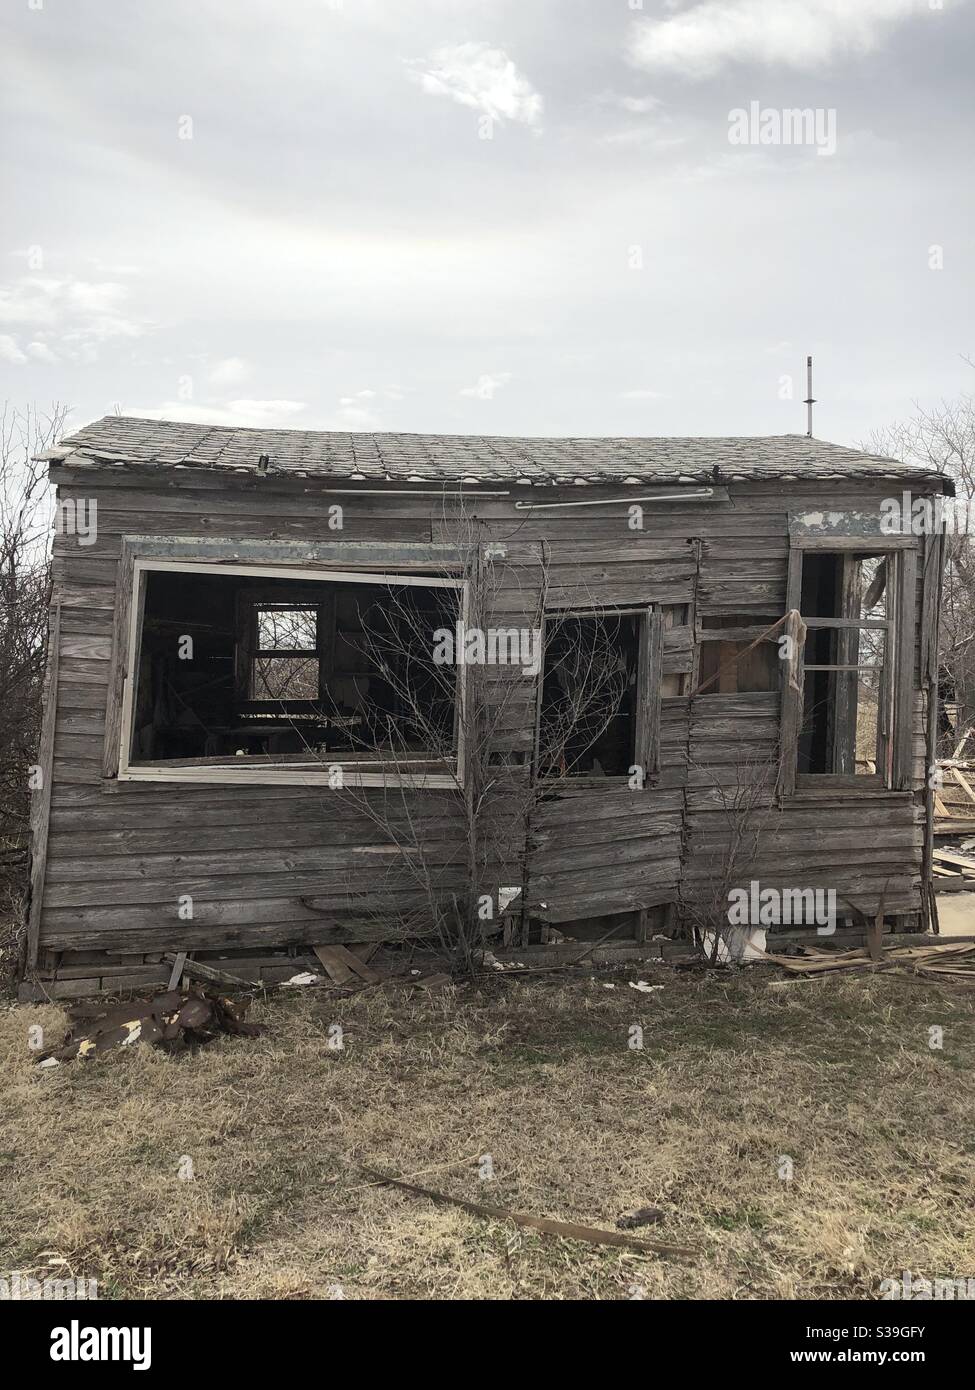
x=897, y=684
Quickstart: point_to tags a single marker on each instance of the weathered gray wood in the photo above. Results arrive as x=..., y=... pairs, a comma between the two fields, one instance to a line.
x=933, y=579
x=273, y=864
x=904, y=669
x=367, y=555
x=40, y=806
x=124, y=598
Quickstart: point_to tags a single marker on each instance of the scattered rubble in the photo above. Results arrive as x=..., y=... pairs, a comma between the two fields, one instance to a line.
x=174, y=1020
x=945, y=960
x=644, y=1216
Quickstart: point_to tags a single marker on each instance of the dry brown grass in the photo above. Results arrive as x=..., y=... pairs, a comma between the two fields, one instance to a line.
x=836, y=1073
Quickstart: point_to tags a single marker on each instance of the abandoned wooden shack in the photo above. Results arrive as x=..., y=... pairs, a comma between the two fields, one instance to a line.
x=256, y=739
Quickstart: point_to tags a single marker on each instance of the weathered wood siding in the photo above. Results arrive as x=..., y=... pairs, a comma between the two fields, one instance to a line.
x=119, y=855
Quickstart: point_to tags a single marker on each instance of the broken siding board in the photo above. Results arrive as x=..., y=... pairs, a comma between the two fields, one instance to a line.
x=339, y=969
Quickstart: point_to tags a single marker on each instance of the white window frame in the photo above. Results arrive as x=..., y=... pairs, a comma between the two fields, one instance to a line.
x=356, y=771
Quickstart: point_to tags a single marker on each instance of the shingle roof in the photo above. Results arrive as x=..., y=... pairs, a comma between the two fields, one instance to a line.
x=123, y=441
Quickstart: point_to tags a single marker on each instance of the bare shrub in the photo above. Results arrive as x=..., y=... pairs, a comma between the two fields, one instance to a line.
x=26, y=513
x=744, y=800
x=454, y=883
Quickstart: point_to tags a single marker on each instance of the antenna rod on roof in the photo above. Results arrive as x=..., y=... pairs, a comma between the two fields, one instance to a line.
x=809, y=402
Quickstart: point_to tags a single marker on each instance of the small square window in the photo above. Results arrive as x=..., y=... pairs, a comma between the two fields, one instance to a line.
x=286, y=629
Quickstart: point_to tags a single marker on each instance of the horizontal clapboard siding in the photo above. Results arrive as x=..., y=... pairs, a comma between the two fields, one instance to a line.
x=270, y=865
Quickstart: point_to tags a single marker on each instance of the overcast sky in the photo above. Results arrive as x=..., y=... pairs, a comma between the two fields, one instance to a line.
x=486, y=216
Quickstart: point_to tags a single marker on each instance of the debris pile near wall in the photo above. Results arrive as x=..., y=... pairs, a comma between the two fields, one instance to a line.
x=173, y=1020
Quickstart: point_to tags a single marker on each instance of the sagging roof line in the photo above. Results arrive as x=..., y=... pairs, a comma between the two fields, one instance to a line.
x=165, y=446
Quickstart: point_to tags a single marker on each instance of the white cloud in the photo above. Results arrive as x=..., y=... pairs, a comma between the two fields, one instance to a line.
x=639, y=106
x=268, y=412
x=352, y=417
x=117, y=267
x=41, y=353
x=487, y=386
x=636, y=106
x=640, y=395
x=638, y=136
x=228, y=371
x=244, y=414
x=358, y=411
x=78, y=314
x=10, y=352
x=805, y=34
x=477, y=75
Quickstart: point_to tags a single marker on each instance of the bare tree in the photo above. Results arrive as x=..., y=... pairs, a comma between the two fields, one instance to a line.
x=465, y=720
x=744, y=800
x=26, y=516
x=943, y=439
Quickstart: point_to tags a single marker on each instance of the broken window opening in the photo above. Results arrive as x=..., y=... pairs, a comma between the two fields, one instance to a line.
x=847, y=722
x=240, y=669
x=591, y=705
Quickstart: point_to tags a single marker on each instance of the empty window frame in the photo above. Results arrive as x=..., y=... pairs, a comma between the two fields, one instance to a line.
x=599, y=699
x=285, y=663
x=238, y=674
x=857, y=665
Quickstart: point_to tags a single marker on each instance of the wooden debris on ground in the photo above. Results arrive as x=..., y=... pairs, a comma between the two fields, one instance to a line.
x=954, y=802
x=209, y=974
x=954, y=959
x=173, y=1020
x=951, y=864
x=179, y=964
x=568, y=1230
x=344, y=966
x=645, y=1216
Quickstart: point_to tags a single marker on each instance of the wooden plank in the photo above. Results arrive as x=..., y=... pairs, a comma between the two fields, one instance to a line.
x=959, y=861
x=966, y=786
x=375, y=556
x=904, y=667
x=124, y=598
x=179, y=961
x=40, y=806
x=355, y=962
x=366, y=951
x=338, y=964
x=197, y=970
